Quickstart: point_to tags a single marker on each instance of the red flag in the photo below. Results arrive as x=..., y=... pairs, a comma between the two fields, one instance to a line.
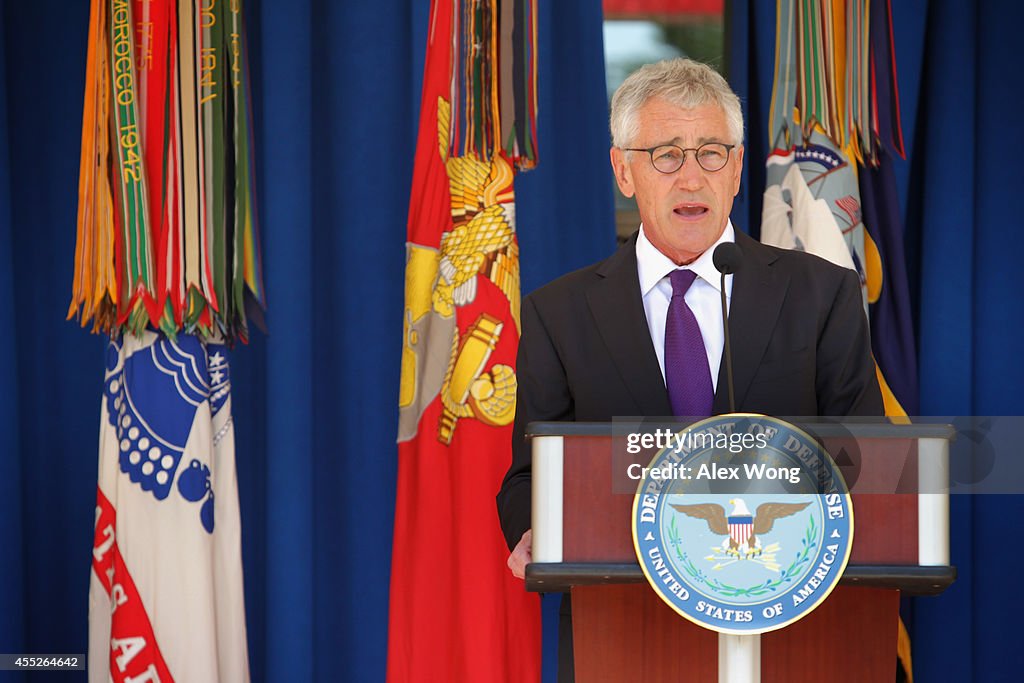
x=456, y=612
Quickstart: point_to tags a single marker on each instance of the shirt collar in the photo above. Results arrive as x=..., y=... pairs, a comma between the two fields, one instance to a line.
x=652, y=266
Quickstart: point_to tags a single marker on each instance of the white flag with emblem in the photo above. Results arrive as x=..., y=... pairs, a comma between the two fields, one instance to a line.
x=165, y=598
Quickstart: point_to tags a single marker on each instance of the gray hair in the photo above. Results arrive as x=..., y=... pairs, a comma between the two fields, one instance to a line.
x=683, y=82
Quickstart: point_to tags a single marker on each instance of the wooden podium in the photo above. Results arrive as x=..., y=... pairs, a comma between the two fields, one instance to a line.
x=622, y=631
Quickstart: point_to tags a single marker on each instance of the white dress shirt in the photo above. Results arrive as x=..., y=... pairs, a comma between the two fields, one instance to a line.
x=703, y=297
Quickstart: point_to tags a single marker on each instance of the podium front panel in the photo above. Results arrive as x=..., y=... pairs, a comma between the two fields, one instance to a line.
x=595, y=523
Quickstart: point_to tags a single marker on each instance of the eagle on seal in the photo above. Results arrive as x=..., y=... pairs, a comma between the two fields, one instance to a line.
x=742, y=528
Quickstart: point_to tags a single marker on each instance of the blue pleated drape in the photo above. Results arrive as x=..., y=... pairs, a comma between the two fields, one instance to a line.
x=11, y=535
x=564, y=208
x=968, y=228
x=336, y=92
x=750, y=58
x=52, y=371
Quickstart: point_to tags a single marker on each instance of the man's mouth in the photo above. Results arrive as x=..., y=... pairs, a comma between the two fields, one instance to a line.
x=690, y=210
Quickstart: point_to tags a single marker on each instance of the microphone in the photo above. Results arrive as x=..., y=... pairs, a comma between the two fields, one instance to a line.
x=727, y=257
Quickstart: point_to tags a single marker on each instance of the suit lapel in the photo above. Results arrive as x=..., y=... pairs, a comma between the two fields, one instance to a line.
x=617, y=307
x=758, y=291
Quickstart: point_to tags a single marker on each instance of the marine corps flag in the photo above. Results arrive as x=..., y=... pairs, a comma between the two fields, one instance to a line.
x=456, y=612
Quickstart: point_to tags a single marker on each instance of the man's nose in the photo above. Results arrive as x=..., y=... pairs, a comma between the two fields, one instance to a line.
x=690, y=176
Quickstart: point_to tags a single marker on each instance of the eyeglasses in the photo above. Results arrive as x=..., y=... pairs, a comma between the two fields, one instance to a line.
x=711, y=156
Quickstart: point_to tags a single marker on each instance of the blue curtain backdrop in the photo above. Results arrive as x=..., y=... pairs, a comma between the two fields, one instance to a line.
x=336, y=99
x=11, y=601
x=965, y=221
x=52, y=371
x=961, y=93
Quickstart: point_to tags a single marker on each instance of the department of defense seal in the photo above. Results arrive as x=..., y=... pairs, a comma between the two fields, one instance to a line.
x=742, y=540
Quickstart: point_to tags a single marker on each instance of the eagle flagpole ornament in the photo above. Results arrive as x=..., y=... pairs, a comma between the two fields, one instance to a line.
x=167, y=264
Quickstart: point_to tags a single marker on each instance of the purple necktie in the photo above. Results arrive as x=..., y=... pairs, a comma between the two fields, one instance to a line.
x=687, y=374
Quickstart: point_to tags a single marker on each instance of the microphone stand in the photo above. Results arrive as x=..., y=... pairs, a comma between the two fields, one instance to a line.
x=728, y=348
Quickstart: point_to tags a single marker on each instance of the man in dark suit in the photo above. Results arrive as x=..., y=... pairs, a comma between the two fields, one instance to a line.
x=602, y=342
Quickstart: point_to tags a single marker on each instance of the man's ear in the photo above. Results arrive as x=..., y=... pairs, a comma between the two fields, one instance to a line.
x=737, y=170
x=623, y=174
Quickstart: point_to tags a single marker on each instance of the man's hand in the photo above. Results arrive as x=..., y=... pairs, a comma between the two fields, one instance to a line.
x=522, y=555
